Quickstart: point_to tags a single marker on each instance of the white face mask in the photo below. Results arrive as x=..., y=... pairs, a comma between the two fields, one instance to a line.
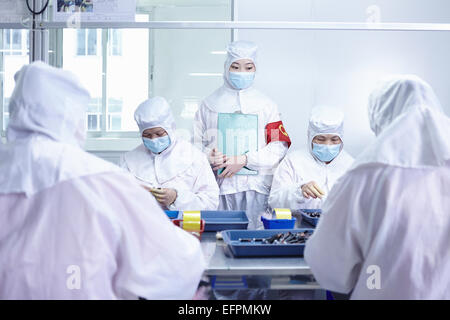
x=157, y=145
x=241, y=80
x=325, y=152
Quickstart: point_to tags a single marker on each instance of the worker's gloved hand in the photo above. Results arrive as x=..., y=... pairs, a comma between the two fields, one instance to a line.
x=164, y=196
x=312, y=190
x=216, y=158
x=232, y=165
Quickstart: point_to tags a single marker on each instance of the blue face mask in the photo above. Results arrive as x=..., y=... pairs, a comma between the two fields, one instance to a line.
x=326, y=153
x=241, y=80
x=157, y=145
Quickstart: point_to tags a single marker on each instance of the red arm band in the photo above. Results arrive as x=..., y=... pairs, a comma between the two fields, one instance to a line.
x=275, y=132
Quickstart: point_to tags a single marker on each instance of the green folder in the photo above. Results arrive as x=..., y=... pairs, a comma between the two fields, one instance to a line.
x=237, y=135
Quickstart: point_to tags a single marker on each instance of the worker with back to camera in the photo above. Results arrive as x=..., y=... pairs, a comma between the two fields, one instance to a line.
x=74, y=226
x=238, y=95
x=384, y=233
x=304, y=178
x=172, y=169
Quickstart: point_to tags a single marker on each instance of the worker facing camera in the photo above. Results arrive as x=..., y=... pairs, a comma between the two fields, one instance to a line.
x=304, y=177
x=157, y=140
x=241, y=75
x=238, y=107
x=177, y=175
x=384, y=229
x=325, y=148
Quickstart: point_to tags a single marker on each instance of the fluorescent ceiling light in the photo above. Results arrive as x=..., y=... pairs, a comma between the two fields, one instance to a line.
x=219, y=52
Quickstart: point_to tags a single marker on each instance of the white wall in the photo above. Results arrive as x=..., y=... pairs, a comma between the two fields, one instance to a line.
x=300, y=69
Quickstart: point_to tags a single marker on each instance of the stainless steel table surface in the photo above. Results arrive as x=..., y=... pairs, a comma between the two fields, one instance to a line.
x=222, y=262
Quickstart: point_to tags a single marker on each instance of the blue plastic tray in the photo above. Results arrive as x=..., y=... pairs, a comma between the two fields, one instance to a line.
x=278, y=223
x=231, y=238
x=218, y=220
x=224, y=220
x=172, y=214
x=308, y=219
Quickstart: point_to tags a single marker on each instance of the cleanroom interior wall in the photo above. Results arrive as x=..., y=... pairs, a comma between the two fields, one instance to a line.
x=296, y=68
x=300, y=69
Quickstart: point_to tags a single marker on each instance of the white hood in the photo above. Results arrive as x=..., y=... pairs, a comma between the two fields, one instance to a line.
x=177, y=158
x=45, y=132
x=227, y=99
x=325, y=120
x=412, y=131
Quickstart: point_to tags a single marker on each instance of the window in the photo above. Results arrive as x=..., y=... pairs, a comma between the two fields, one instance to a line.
x=123, y=67
x=114, y=114
x=87, y=42
x=14, y=45
x=15, y=42
x=5, y=113
x=116, y=43
x=93, y=114
x=127, y=77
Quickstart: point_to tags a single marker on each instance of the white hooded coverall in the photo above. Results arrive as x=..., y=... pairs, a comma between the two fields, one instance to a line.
x=72, y=225
x=181, y=166
x=242, y=192
x=300, y=167
x=385, y=229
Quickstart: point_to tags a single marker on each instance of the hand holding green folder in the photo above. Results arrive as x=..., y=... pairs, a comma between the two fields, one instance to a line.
x=237, y=135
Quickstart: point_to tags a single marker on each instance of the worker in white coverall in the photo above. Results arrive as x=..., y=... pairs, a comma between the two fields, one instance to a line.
x=238, y=95
x=385, y=228
x=305, y=177
x=74, y=226
x=173, y=170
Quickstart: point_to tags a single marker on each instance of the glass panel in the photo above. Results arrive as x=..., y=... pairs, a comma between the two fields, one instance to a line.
x=7, y=39
x=95, y=105
x=143, y=62
x=81, y=42
x=77, y=58
x=115, y=122
x=127, y=75
x=93, y=122
x=188, y=64
x=17, y=39
x=116, y=43
x=115, y=105
x=13, y=55
x=92, y=42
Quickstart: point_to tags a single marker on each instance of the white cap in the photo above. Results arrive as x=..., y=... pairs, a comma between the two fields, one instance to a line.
x=396, y=94
x=48, y=101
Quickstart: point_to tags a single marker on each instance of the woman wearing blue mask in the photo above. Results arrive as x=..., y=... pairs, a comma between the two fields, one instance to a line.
x=176, y=173
x=304, y=178
x=237, y=95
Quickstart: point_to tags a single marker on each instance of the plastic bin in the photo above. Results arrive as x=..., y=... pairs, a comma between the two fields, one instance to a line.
x=310, y=220
x=218, y=220
x=252, y=249
x=172, y=214
x=224, y=220
x=278, y=223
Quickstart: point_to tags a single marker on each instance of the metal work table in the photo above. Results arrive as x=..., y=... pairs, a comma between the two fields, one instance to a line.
x=222, y=262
